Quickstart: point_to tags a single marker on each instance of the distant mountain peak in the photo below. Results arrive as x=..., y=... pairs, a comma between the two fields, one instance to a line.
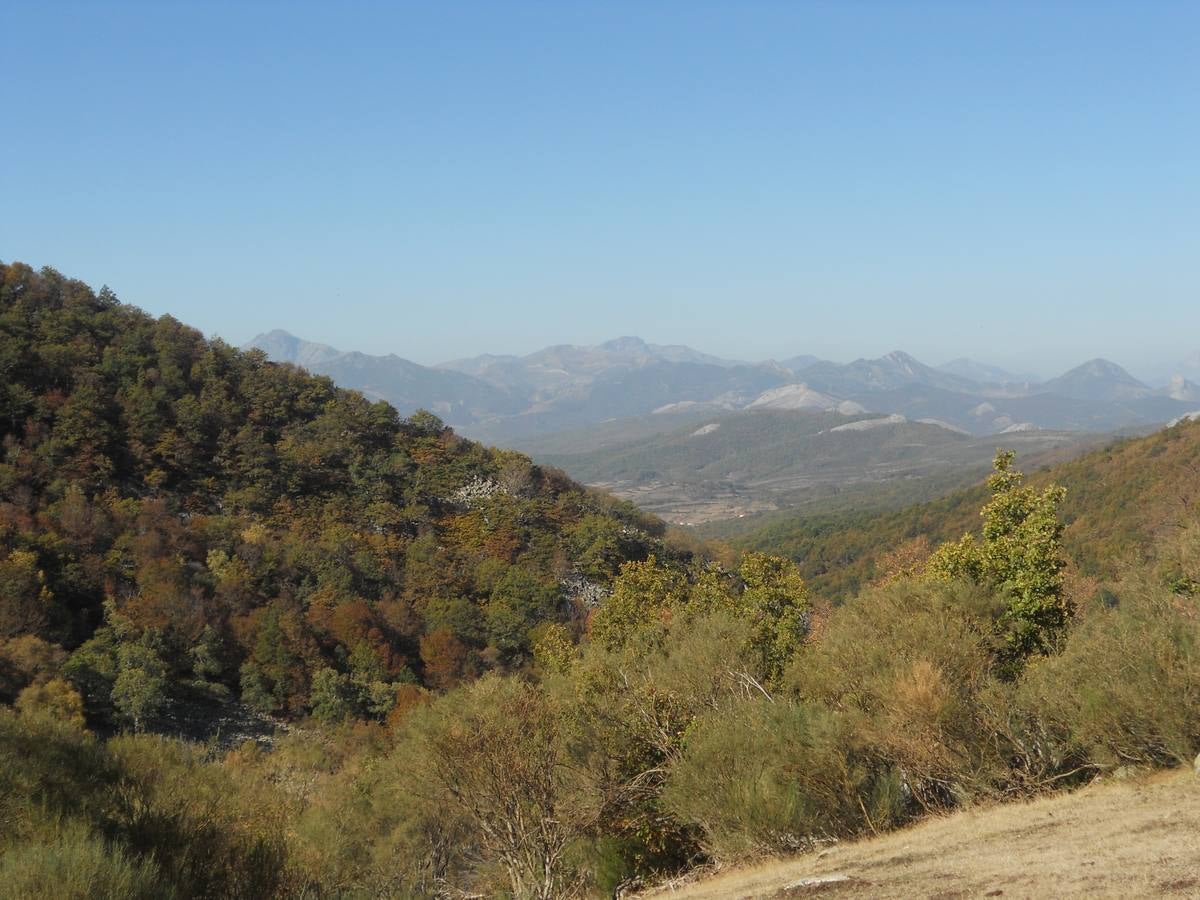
x=626, y=344
x=906, y=363
x=1102, y=366
x=283, y=346
x=1099, y=380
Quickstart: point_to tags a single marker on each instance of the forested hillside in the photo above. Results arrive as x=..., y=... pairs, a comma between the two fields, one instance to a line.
x=1119, y=499
x=175, y=512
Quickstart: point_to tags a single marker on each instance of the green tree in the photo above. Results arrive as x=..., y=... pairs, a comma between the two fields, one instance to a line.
x=209, y=655
x=643, y=593
x=92, y=668
x=140, y=689
x=518, y=602
x=333, y=696
x=775, y=600
x=1021, y=554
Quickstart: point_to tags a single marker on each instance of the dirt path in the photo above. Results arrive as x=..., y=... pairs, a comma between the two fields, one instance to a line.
x=1138, y=838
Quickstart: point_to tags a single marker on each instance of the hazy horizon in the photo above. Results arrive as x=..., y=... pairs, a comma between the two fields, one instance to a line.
x=1015, y=184
x=1188, y=366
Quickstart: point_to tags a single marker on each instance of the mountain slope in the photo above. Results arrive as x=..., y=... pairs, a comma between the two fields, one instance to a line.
x=897, y=369
x=621, y=393
x=572, y=362
x=1119, y=498
x=1181, y=389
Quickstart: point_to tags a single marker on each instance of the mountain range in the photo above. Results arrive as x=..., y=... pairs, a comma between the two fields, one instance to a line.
x=513, y=399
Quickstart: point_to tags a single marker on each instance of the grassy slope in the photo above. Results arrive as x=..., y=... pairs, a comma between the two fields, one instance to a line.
x=1118, y=498
x=1132, y=838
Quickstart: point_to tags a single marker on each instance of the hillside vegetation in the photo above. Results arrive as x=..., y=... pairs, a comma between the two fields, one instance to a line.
x=182, y=515
x=1120, y=498
x=489, y=681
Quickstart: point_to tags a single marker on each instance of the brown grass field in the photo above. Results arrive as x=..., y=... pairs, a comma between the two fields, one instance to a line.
x=1131, y=838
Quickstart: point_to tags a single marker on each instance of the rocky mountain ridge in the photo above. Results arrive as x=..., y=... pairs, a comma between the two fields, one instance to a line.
x=509, y=399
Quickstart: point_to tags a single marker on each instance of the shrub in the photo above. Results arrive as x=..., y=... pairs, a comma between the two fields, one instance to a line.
x=765, y=777
x=214, y=833
x=911, y=661
x=50, y=772
x=489, y=763
x=1126, y=688
x=56, y=699
x=628, y=714
x=78, y=865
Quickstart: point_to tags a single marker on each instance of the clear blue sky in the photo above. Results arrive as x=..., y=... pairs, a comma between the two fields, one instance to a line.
x=1016, y=182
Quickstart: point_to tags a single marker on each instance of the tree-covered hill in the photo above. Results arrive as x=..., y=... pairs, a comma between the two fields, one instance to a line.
x=1120, y=498
x=174, y=511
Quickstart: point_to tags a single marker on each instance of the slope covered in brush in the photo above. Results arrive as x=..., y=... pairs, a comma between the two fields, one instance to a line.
x=1119, y=499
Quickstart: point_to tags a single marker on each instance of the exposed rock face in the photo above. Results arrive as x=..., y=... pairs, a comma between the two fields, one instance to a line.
x=577, y=587
x=476, y=492
x=1182, y=389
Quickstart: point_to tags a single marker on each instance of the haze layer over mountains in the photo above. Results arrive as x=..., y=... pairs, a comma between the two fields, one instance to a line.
x=511, y=399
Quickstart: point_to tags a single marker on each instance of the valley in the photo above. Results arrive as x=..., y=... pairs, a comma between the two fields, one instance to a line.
x=743, y=463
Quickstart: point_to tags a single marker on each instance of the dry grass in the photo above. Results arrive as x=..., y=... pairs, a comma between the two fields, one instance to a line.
x=1136, y=838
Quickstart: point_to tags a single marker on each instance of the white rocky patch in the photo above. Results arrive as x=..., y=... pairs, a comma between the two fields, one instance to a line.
x=681, y=406
x=576, y=587
x=706, y=429
x=868, y=424
x=792, y=396
x=476, y=492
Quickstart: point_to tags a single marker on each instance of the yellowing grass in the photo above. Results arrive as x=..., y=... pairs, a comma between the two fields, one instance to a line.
x=1136, y=838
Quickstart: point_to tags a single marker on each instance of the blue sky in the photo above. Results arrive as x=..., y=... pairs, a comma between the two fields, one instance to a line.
x=1015, y=182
